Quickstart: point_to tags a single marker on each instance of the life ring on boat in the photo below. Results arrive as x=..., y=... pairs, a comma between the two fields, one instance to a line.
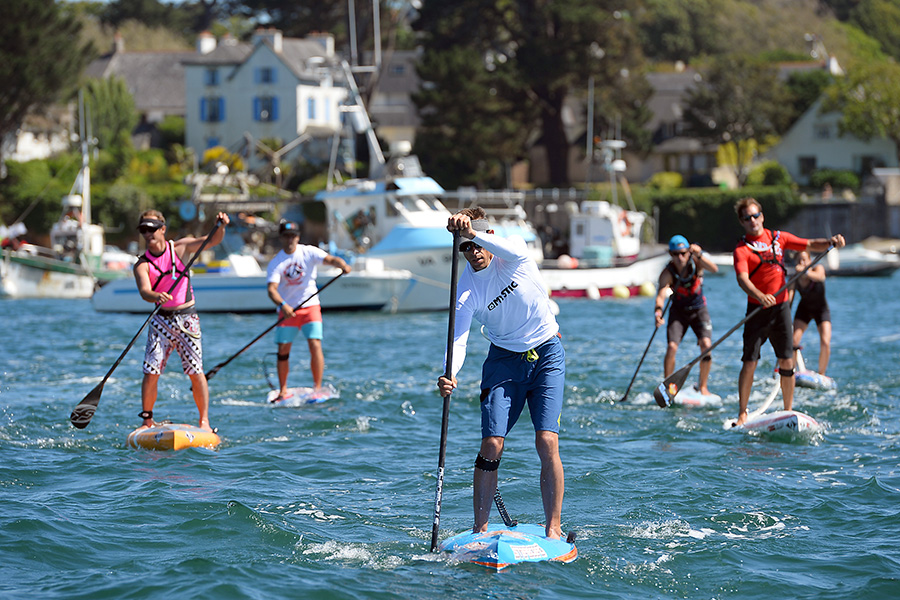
x=624, y=224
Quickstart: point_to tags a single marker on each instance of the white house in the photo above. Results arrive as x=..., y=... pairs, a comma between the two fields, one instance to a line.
x=273, y=87
x=815, y=142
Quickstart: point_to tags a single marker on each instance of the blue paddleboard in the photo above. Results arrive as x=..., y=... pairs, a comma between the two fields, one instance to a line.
x=501, y=546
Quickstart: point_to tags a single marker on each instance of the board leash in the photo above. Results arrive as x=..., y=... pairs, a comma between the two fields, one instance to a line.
x=501, y=507
x=267, y=373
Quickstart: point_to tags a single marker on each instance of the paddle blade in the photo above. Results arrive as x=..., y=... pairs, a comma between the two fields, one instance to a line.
x=664, y=394
x=84, y=412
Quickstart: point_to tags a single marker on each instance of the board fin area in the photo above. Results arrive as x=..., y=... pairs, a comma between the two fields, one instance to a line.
x=172, y=436
x=301, y=396
x=501, y=546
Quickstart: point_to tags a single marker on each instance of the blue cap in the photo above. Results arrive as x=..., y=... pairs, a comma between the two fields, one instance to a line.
x=678, y=242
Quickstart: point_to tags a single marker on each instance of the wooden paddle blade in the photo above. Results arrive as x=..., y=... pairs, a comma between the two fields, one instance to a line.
x=664, y=394
x=84, y=412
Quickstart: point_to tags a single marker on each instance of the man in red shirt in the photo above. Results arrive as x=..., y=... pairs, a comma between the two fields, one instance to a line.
x=759, y=267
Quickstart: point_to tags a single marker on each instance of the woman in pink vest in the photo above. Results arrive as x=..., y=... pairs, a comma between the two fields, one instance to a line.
x=176, y=325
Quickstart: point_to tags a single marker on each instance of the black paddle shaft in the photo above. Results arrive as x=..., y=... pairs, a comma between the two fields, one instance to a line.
x=209, y=374
x=84, y=412
x=448, y=373
x=644, y=355
x=666, y=391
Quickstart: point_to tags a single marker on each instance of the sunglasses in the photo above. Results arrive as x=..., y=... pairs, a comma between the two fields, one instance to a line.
x=469, y=247
x=748, y=218
x=679, y=252
x=147, y=229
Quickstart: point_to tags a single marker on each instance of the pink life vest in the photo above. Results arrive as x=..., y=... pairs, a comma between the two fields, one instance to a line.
x=165, y=268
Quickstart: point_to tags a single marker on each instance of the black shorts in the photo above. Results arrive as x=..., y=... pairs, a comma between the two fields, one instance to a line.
x=680, y=319
x=812, y=311
x=773, y=324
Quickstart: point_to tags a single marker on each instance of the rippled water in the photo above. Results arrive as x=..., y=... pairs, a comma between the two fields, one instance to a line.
x=336, y=500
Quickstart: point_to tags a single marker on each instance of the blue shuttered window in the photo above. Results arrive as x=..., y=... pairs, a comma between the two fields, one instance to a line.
x=212, y=110
x=265, y=108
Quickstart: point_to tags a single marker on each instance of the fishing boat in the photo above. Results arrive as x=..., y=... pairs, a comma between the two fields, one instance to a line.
x=239, y=286
x=77, y=260
x=606, y=256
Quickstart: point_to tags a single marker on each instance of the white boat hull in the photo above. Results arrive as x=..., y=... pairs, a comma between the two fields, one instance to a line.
x=386, y=291
x=39, y=277
x=602, y=282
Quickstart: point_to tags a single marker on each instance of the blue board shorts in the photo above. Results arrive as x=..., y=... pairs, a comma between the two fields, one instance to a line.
x=509, y=380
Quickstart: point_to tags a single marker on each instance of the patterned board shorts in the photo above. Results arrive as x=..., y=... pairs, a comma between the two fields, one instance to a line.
x=179, y=332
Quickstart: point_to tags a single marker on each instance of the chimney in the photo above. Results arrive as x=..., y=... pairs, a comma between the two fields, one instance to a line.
x=206, y=42
x=118, y=43
x=325, y=39
x=271, y=35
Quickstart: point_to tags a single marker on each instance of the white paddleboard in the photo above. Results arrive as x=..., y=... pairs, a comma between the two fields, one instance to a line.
x=691, y=396
x=815, y=381
x=501, y=546
x=781, y=422
x=302, y=396
x=806, y=378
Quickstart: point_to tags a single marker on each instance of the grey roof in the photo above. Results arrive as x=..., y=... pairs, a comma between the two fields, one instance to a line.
x=154, y=78
x=228, y=52
x=295, y=54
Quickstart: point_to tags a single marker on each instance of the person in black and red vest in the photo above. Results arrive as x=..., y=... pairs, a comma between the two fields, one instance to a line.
x=760, y=271
x=683, y=275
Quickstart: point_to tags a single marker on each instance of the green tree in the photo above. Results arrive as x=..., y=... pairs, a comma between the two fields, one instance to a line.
x=738, y=101
x=40, y=58
x=868, y=98
x=112, y=113
x=880, y=19
x=803, y=88
x=680, y=29
x=533, y=56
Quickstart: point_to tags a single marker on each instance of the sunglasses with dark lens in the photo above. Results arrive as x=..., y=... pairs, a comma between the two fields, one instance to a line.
x=680, y=252
x=147, y=229
x=469, y=247
x=748, y=218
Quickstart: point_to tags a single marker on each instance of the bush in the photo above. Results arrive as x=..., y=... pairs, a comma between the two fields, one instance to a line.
x=707, y=215
x=769, y=173
x=171, y=130
x=666, y=180
x=837, y=178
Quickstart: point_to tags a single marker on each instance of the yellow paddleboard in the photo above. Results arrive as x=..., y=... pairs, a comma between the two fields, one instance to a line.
x=172, y=436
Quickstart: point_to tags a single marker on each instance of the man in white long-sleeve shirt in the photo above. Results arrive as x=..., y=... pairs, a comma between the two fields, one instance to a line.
x=502, y=288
